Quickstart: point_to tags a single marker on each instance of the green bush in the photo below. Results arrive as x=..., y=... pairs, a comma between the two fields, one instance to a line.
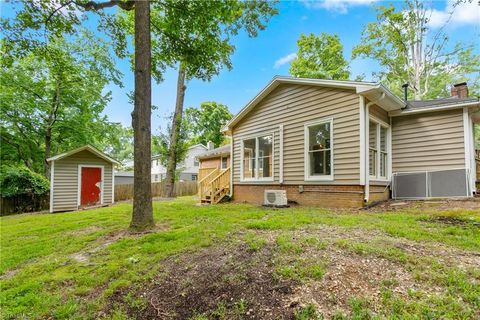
x=18, y=181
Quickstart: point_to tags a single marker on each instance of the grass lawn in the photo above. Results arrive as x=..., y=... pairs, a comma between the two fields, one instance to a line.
x=408, y=263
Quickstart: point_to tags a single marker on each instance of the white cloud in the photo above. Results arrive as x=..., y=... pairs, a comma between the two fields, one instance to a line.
x=340, y=6
x=284, y=60
x=463, y=14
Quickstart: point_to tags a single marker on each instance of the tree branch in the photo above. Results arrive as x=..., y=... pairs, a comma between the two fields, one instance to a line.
x=96, y=6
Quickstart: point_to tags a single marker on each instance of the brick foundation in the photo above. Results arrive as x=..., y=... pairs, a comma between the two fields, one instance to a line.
x=332, y=196
x=379, y=193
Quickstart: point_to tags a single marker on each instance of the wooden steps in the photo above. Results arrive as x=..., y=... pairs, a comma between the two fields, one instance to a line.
x=215, y=186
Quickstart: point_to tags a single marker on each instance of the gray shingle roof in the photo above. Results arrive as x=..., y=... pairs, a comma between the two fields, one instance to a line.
x=220, y=151
x=414, y=104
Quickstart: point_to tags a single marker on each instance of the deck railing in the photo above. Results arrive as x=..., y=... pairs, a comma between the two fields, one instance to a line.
x=220, y=186
x=214, y=185
x=203, y=172
x=204, y=184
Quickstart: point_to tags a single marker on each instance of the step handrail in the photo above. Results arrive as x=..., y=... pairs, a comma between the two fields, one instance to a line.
x=219, y=184
x=205, y=182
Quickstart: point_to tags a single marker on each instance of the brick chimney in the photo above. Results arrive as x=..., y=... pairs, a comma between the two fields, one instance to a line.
x=460, y=90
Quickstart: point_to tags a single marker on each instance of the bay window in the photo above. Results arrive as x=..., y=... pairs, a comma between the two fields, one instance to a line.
x=257, y=163
x=318, y=151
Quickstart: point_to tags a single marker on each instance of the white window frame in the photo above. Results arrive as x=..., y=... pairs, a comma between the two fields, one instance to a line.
x=307, y=126
x=256, y=178
x=79, y=181
x=221, y=163
x=378, y=124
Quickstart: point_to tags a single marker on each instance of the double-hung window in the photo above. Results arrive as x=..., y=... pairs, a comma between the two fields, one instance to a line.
x=378, y=150
x=319, y=151
x=224, y=163
x=257, y=163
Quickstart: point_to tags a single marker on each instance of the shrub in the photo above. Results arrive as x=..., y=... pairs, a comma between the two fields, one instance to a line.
x=20, y=181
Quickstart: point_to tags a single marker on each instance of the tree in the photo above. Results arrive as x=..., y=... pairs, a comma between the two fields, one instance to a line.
x=39, y=20
x=409, y=51
x=320, y=57
x=52, y=103
x=194, y=36
x=205, y=124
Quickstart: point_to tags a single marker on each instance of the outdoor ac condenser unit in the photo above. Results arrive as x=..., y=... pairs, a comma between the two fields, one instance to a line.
x=277, y=198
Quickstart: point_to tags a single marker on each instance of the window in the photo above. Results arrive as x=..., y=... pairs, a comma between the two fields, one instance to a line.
x=257, y=161
x=383, y=152
x=195, y=162
x=318, y=151
x=378, y=150
x=372, y=145
x=156, y=163
x=194, y=177
x=224, y=163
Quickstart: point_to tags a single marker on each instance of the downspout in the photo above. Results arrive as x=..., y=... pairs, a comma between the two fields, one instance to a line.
x=367, y=144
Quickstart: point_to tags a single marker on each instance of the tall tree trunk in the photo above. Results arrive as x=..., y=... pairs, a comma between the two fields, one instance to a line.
x=52, y=117
x=174, y=135
x=142, y=217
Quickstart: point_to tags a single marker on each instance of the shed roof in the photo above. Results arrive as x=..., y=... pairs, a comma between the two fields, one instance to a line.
x=217, y=152
x=87, y=147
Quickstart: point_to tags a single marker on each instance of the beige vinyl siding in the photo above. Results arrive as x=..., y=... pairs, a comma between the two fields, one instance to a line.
x=293, y=106
x=379, y=113
x=428, y=141
x=65, y=181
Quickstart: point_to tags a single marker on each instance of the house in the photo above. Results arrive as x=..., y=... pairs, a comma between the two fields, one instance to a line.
x=188, y=168
x=347, y=143
x=123, y=177
x=80, y=178
x=215, y=158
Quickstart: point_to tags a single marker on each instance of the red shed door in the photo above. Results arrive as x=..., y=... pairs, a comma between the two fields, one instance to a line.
x=91, y=184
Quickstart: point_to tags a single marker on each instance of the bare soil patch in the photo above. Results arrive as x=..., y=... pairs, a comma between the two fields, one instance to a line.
x=437, y=205
x=236, y=278
x=84, y=256
x=236, y=282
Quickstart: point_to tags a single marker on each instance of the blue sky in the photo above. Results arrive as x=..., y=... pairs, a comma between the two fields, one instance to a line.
x=257, y=60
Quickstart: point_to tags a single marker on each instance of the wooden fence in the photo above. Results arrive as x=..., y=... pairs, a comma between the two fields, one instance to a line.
x=183, y=188
x=24, y=203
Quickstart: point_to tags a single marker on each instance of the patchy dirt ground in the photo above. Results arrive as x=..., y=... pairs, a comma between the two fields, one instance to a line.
x=270, y=275
x=441, y=205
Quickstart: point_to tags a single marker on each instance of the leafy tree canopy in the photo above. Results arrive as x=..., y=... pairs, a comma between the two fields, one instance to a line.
x=54, y=102
x=409, y=51
x=206, y=123
x=320, y=57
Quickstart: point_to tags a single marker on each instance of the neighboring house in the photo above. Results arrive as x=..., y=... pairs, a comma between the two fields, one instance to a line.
x=123, y=177
x=215, y=158
x=347, y=143
x=188, y=168
x=80, y=178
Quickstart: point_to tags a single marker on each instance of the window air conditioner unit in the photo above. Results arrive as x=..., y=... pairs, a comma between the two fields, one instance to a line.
x=276, y=198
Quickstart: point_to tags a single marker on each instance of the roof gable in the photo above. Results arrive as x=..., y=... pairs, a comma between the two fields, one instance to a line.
x=87, y=147
x=371, y=90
